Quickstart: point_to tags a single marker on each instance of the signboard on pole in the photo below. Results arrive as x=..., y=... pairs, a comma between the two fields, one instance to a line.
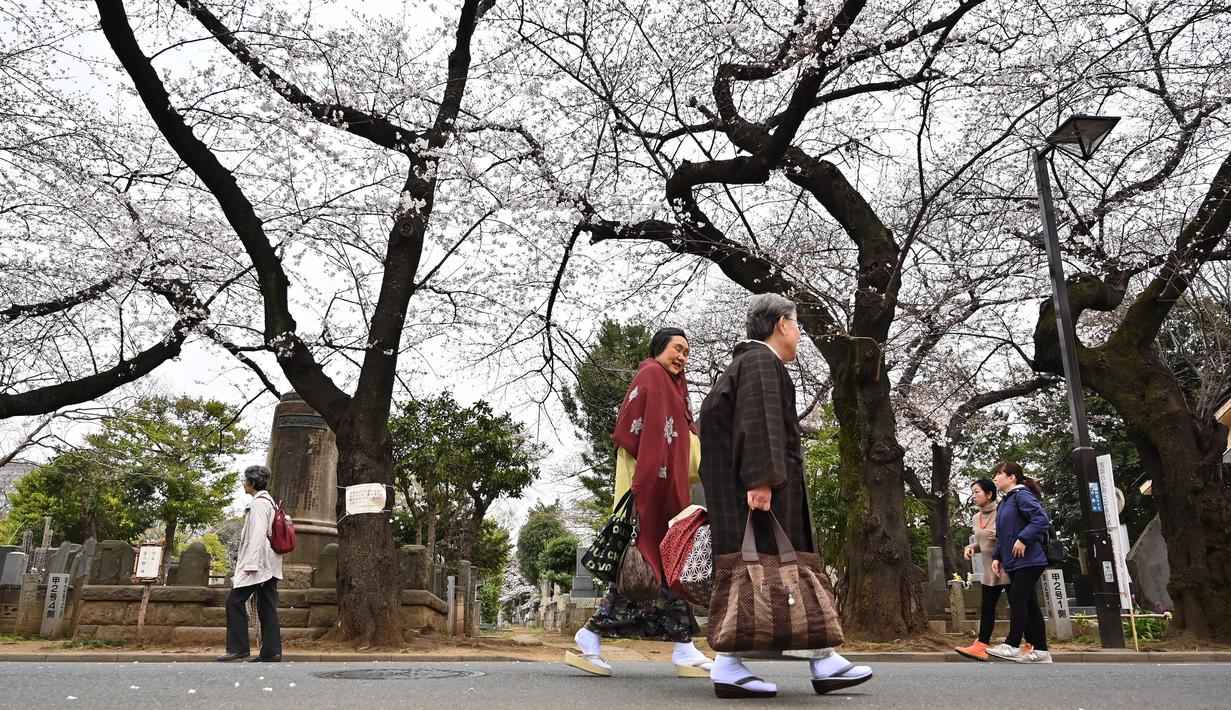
x=147, y=571
x=1057, y=599
x=53, y=607
x=149, y=562
x=1117, y=532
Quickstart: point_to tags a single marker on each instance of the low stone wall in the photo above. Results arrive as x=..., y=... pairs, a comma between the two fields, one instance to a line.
x=197, y=615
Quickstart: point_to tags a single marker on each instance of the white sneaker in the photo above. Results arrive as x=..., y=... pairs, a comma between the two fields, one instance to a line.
x=1034, y=656
x=1004, y=651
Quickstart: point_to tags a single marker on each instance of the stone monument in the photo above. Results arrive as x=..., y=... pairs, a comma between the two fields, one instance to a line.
x=583, y=583
x=193, y=568
x=113, y=563
x=1149, y=567
x=303, y=459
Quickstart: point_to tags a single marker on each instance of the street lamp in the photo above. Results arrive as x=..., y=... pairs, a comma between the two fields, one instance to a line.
x=1080, y=136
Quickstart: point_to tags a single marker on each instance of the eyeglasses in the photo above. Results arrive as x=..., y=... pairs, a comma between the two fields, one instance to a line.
x=797, y=323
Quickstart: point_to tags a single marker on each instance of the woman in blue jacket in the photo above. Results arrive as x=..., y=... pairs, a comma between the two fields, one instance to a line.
x=1021, y=551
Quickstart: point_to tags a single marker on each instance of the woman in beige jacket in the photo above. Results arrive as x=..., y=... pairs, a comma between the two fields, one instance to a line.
x=257, y=571
x=983, y=496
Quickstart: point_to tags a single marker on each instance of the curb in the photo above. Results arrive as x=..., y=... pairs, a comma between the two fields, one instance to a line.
x=1058, y=656
x=91, y=657
x=886, y=657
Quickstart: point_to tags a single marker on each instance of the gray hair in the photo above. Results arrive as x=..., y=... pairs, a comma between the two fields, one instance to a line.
x=763, y=313
x=257, y=477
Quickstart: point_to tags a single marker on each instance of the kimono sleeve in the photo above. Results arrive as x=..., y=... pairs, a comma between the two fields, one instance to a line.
x=657, y=432
x=759, y=432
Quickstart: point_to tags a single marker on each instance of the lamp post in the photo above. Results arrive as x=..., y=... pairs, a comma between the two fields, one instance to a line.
x=1080, y=136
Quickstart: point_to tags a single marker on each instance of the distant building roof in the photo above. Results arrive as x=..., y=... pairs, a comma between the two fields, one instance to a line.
x=10, y=473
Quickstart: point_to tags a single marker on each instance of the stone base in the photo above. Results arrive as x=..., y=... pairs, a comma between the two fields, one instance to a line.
x=296, y=575
x=185, y=635
x=197, y=615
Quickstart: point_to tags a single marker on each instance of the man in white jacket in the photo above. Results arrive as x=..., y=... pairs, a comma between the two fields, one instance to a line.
x=257, y=571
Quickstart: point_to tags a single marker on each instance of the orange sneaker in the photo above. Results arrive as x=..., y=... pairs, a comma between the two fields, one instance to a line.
x=976, y=650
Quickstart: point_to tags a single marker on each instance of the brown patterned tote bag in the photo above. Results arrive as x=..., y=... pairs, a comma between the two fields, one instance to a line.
x=637, y=580
x=771, y=602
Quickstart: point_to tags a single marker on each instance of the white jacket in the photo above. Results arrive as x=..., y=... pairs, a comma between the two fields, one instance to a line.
x=257, y=562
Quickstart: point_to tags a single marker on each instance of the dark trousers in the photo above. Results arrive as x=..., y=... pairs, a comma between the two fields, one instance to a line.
x=266, y=611
x=1025, y=616
x=987, y=610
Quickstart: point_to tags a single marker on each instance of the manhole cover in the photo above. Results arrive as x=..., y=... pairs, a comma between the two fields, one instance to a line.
x=397, y=674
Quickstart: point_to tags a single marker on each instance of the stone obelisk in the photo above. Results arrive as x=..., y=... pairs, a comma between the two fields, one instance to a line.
x=303, y=458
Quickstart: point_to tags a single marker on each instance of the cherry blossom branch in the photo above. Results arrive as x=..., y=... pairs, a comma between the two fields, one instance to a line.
x=280, y=328
x=377, y=129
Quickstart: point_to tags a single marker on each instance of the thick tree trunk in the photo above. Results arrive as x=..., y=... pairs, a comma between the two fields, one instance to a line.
x=369, y=608
x=1190, y=484
x=1184, y=455
x=881, y=598
x=171, y=529
x=89, y=520
x=433, y=515
x=939, y=512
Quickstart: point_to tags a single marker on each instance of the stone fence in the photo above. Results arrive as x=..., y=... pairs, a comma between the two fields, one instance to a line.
x=102, y=601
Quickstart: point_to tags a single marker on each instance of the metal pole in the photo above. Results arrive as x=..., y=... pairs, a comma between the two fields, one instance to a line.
x=1102, y=567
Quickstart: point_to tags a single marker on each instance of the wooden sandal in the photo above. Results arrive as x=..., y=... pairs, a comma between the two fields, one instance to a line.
x=834, y=682
x=582, y=661
x=694, y=669
x=737, y=689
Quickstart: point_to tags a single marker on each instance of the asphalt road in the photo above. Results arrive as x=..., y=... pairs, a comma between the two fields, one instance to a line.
x=544, y=686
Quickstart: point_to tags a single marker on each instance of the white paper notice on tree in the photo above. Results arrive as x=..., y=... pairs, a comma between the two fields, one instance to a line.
x=365, y=498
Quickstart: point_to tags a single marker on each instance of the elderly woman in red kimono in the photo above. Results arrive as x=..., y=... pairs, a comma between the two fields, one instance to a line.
x=657, y=454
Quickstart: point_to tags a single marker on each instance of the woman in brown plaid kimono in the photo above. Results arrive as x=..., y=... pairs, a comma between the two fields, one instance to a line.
x=657, y=447
x=751, y=459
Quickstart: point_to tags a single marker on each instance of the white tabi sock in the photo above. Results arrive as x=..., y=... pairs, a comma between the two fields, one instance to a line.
x=826, y=667
x=687, y=654
x=591, y=644
x=728, y=669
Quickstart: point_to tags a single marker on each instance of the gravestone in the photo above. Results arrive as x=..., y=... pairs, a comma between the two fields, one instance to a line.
x=6, y=549
x=936, y=568
x=1149, y=568
x=462, y=599
x=12, y=567
x=193, y=568
x=303, y=457
x=71, y=562
x=326, y=574
x=85, y=559
x=38, y=558
x=438, y=580
x=57, y=560
x=113, y=563
x=416, y=572
x=583, y=583
x=80, y=575
x=29, y=606
x=27, y=542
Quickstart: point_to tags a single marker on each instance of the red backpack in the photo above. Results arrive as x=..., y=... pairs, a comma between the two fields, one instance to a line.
x=281, y=531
